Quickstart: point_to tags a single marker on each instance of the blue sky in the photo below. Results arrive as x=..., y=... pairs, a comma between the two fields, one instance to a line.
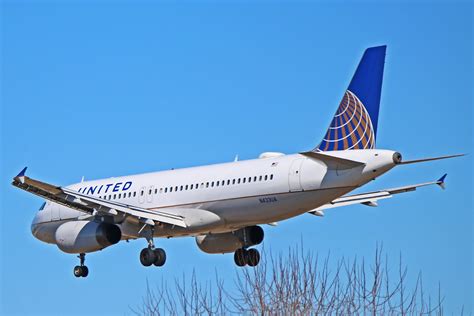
x=97, y=90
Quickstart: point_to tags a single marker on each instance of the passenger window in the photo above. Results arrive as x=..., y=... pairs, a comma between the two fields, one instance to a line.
x=255, y=179
x=243, y=180
x=260, y=178
x=212, y=184
x=120, y=195
x=176, y=189
x=141, y=193
x=135, y=194
x=228, y=182
x=271, y=177
x=166, y=190
x=238, y=181
x=181, y=188
x=115, y=196
x=233, y=181
x=217, y=183
x=250, y=179
x=266, y=177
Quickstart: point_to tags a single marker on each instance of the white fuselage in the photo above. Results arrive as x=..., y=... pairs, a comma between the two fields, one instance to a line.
x=225, y=197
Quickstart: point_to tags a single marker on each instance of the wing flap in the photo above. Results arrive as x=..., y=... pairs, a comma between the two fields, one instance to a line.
x=128, y=209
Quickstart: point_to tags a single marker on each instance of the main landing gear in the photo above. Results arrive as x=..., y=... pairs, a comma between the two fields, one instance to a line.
x=81, y=270
x=152, y=255
x=250, y=257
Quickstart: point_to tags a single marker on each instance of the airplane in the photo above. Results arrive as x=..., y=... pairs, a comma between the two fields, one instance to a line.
x=223, y=206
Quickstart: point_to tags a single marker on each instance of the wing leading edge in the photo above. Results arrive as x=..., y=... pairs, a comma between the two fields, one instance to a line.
x=92, y=205
x=371, y=198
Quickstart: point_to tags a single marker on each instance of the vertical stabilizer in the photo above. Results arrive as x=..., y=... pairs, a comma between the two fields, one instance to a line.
x=354, y=125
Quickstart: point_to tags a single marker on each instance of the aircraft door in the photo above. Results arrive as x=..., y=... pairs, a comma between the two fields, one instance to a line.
x=294, y=181
x=141, y=195
x=150, y=192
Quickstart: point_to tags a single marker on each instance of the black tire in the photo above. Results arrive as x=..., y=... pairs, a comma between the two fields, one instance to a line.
x=160, y=257
x=85, y=271
x=147, y=257
x=240, y=257
x=77, y=271
x=253, y=257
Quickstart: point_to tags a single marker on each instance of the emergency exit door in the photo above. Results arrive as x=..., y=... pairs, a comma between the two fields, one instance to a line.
x=294, y=181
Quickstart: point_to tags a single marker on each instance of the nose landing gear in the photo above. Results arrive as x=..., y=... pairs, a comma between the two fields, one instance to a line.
x=81, y=270
x=244, y=257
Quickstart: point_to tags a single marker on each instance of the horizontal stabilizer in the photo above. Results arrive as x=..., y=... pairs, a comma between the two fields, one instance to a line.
x=332, y=162
x=371, y=198
x=429, y=159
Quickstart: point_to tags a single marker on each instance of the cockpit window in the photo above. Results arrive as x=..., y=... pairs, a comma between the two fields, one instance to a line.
x=42, y=206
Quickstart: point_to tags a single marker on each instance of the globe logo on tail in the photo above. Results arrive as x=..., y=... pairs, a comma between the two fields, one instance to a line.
x=351, y=127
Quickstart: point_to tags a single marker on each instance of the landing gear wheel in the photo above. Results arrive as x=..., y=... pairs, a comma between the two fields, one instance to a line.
x=81, y=271
x=253, y=257
x=240, y=257
x=160, y=257
x=147, y=257
x=77, y=271
x=85, y=271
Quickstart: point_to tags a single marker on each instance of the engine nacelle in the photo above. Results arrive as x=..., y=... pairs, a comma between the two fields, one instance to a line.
x=230, y=242
x=86, y=236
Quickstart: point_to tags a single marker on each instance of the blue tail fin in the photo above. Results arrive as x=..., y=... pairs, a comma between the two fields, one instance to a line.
x=354, y=125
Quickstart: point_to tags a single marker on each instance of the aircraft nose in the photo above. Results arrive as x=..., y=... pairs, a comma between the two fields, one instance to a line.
x=41, y=227
x=34, y=225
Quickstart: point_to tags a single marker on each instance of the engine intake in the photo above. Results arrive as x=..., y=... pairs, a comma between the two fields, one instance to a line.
x=86, y=236
x=229, y=242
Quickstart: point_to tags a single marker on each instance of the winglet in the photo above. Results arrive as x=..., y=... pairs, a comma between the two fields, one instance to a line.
x=440, y=181
x=21, y=175
x=22, y=172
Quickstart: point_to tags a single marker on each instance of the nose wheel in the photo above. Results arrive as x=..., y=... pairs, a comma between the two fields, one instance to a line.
x=243, y=257
x=81, y=270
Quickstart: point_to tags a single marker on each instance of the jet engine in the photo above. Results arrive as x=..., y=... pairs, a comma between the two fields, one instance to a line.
x=229, y=242
x=86, y=236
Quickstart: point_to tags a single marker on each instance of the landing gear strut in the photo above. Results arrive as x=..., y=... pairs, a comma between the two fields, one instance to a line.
x=152, y=255
x=81, y=270
x=250, y=257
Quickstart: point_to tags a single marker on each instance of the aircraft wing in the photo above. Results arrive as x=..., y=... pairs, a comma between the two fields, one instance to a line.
x=92, y=205
x=371, y=198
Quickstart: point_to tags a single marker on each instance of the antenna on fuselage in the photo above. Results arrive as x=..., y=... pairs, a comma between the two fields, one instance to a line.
x=82, y=180
x=236, y=157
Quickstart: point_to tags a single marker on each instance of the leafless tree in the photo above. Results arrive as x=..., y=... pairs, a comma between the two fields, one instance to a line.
x=298, y=283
